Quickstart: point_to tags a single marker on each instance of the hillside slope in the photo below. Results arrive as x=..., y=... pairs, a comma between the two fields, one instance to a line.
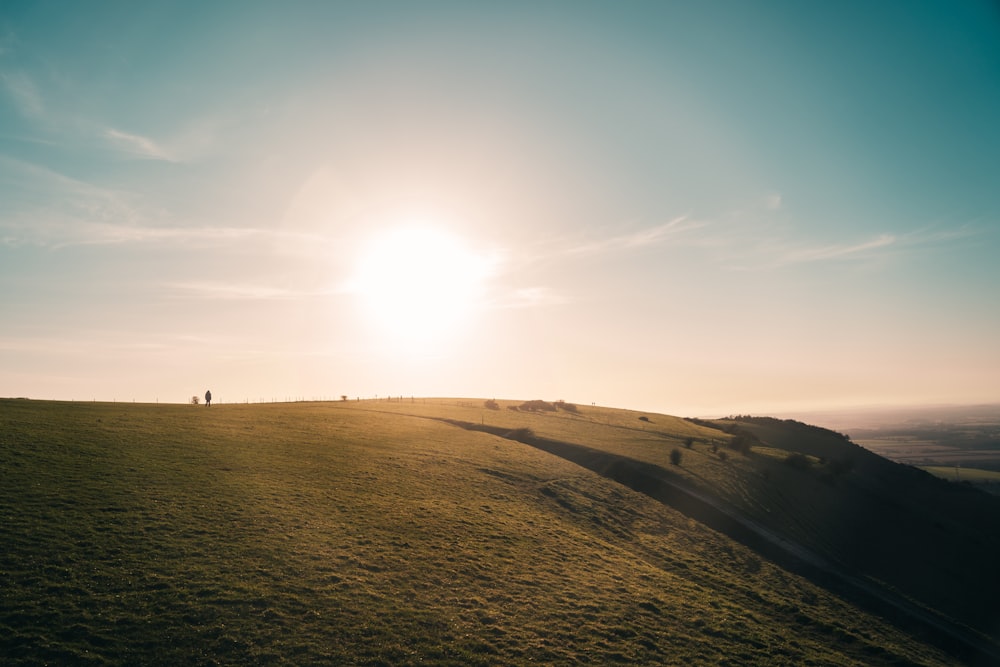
x=934, y=541
x=354, y=533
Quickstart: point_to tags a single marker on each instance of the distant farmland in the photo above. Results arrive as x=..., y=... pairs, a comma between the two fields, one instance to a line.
x=374, y=533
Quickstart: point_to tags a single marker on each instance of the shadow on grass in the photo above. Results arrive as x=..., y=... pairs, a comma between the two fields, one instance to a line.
x=661, y=485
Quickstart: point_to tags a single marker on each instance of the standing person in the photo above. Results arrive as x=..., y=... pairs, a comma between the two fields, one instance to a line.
x=208, y=398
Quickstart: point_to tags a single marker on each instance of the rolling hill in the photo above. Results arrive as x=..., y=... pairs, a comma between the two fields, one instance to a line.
x=443, y=532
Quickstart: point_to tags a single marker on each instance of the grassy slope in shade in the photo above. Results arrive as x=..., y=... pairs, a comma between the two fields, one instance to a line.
x=343, y=533
x=934, y=541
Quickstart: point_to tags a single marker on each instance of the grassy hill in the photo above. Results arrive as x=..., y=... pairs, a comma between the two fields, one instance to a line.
x=376, y=533
x=934, y=541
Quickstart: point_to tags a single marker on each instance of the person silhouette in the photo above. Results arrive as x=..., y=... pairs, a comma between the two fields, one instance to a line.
x=208, y=398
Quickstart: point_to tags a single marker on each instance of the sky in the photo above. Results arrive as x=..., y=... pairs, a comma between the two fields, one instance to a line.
x=696, y=208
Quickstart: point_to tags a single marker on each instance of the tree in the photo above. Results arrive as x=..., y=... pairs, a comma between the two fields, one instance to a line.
x=195, y=400
x=798, y=461
x=675, y=457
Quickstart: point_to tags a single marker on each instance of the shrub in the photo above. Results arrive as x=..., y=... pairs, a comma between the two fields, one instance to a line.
x=537, y=404
x=798, y=461
x=523, y=434
x=840, y=466
x=689, y=442
x=644, y=418
x=740, y=443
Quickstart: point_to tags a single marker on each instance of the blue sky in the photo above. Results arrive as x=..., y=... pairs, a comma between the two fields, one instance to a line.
x=696, y=208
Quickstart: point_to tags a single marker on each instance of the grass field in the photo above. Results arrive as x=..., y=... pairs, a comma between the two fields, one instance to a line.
x=960, y=474
x=366, y=533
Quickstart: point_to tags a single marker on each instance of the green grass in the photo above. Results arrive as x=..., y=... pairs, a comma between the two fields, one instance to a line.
x=973, y=475
x=358, y=533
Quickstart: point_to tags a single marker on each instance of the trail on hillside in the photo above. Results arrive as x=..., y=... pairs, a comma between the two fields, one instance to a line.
x=658, y=483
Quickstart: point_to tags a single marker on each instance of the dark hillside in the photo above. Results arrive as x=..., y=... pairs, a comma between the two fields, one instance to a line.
x=934, y=541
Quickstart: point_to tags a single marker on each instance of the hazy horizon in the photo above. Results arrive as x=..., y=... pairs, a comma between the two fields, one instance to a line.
x=701, y=209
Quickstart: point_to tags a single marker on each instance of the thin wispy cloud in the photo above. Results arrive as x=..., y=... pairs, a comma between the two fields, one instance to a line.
x=835, y=251
x=138, y=145
x=240, y=291
x=642, y=238
x=529, y=297
x=736, y=252
x=25, y=94
x=50, y=207
x=57, y=211
x=64, y=126
x=107, y=234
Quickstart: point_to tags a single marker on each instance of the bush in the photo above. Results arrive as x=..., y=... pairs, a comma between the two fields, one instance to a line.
x=537, y=404
x=524, y=434
x=689, y=442
x=740, y=443
x=798, y=461
x=675, y=457
x=840, y=466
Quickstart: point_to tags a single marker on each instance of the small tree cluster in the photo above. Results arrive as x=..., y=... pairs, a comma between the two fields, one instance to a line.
x=741, y=442
x=491, y=404
x=523, y=434
x=798, y=461
x=537, y=405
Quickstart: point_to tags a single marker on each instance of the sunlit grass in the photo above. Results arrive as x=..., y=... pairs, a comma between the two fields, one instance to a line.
x=351, y=533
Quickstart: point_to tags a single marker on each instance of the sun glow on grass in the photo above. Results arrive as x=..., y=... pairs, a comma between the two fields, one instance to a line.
x=419, y=283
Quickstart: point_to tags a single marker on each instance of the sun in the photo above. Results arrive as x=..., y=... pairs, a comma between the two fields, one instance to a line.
x=420, y=283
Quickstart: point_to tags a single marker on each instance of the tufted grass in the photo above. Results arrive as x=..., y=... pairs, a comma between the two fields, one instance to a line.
x=363, y=533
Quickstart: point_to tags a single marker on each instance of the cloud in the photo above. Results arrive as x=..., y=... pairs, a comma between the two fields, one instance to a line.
x=802, y=254
x=62, y=125
x=46, y=208
x=241, y=291
x=25, y=94
x=41, y=206
x=530, y=297
x=104, y=234
x=138, y=145
x=57, y=230
x=639, y=239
